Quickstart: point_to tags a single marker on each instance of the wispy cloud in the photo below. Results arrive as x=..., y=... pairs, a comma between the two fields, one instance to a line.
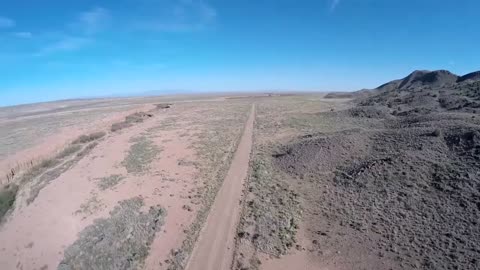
x=160, y=26
x=23, y=34
x=82, y=32
x=93, y=20
x=207, y=12
x=6, y=22
x=334, y=4
x=179, y=16
x=64, y=45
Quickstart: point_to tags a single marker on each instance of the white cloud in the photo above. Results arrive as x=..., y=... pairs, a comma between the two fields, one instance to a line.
x=64, y=45
x=6, y=22
x=334, y=4
x=93, y=21
x=23, y=34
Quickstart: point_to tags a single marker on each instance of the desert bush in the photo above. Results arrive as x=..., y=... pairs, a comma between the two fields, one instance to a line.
x=118, y=126
x=67, y=152
x=121, y=241
x=89, y=138
x=137, y=117
x=140, y=155
x=109, y=181
x=46, y=163
x=163, y=106
x=130, y=120
x=8, y=194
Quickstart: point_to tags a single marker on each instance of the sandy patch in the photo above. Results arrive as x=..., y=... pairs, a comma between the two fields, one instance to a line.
x=53, y=221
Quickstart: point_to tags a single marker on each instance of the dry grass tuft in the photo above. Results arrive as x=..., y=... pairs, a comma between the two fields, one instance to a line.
x=130, y=120
x=89, y=138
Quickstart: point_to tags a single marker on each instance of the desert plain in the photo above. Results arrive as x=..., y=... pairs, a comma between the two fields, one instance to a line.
x=387, y=178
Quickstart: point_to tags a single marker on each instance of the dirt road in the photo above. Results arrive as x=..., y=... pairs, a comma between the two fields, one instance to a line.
x=215, y=246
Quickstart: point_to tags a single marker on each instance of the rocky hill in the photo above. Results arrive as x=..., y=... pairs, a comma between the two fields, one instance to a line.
x=470, y=77
x=407, y=178
x=425, y=92
x=442, y=86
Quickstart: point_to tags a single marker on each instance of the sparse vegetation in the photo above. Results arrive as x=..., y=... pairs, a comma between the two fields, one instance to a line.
x=109, y=181
x=68, y=151
x=48, y=163
x=7, y=198
x=90, y=207
x=33, y=170
x=130, y=120
x=163, y=105
x=140, y=155
x=121, y=241
x=384, y=189
x=119, y=126
x=137, y=117
x=89, y=138
x=215, y=148
x=38, y=169
x=393, y=181
x=46, y=176
x=270, y=216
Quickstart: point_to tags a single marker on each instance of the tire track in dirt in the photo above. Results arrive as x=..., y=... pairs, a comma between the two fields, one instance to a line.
x=215, y=246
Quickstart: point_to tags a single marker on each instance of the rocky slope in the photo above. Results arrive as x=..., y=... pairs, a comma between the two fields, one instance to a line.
x=433, y=81
x=403, y=184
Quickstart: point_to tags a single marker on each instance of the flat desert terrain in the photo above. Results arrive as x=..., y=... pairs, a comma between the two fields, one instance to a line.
x=384, y=180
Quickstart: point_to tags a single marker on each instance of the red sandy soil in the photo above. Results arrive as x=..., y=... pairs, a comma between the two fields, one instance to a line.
x=46, y=146
x=36, y=235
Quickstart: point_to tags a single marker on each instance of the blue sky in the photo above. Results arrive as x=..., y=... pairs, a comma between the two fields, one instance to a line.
x=66, y=49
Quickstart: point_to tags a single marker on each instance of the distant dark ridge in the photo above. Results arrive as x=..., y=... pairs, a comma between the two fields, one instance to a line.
x=474, y=76
x=340, y=95
x=355, y=94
